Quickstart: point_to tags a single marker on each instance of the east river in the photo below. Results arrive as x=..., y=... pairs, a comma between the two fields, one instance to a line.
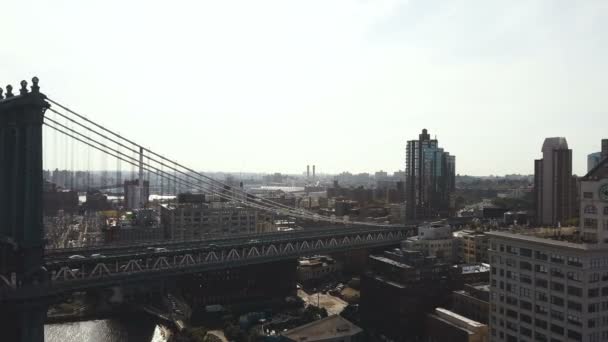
x=135, y=329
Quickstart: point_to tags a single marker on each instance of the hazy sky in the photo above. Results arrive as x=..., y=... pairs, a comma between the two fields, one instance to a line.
x=276, y=85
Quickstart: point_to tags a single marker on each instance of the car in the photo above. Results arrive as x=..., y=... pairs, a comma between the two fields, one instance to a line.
x=160, y=249
x=97, y=255
x=77, y=256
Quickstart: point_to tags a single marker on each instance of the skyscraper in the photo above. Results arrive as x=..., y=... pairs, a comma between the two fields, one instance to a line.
x=554, y=192
x=430, y=174
x=594, y=159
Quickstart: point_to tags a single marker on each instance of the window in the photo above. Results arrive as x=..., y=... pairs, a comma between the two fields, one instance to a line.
x=525, y=318
x=574, y=276
x=542, y=283
x=524, y=292
x=594, y=277
x=525, y=252
x=557, y=259
x=540, y=309
x=606, y=210
x=541, y=296
x=525, y=305
x=575, y=306
x=541, y=255
x=590, y=209
x=574, y=319
x=592, y=293
x=556, y=272
x=524, y=265
x=557, y=315
x=525, y=331
x=590, y=223
x=540, y=323
x=555, y=286
x=587, y=194
x=559, y=301
x=575, y=291
x=575, y=261
x=540, y=268
x=575, y=335
x=594, y=307
x=525, y=279
x=557, y=329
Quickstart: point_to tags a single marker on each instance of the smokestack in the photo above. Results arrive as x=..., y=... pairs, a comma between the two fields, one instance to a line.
x=313, y=171
x=604, y=148
x=307, y=171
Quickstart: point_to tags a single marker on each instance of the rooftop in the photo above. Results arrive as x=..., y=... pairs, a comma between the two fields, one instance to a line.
x=457, y=320
x=564, y=237
x=330, y=327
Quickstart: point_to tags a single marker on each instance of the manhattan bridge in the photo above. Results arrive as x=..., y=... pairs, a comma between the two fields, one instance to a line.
x=34, y=275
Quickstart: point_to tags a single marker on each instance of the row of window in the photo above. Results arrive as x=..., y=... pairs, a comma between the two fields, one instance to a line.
x=539, y=255
x=591, y=209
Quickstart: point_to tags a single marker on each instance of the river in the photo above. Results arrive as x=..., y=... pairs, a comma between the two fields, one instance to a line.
x=138, y=329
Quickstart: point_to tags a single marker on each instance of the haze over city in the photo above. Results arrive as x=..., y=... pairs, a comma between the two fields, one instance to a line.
x=271, y=86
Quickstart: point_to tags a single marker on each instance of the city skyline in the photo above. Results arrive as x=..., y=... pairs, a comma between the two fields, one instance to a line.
x=342, y=85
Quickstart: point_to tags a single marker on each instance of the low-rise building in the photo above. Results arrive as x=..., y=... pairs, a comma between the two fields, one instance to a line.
x=198, y=220
x=472, y=246
x=329, y=329
x=316, y=268
x=433, y=239
x=400, y=288
x=444, y=325
x=473, y=302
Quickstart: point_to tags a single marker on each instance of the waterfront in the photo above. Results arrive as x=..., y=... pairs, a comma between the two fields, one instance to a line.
x=134, y=329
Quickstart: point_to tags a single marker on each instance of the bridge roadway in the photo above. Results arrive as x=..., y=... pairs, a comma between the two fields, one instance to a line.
x=137, y=264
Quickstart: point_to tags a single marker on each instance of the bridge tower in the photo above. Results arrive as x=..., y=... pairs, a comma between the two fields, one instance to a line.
x=21, y=227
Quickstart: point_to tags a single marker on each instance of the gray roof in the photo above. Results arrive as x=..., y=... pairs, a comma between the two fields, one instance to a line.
x=327, y=328
x=555, y=143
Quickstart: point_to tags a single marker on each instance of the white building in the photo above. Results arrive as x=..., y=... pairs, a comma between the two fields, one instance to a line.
x=433, y=239
x=552, y=284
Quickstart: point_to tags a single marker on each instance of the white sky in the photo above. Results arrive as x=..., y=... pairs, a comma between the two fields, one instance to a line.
x=272, y=86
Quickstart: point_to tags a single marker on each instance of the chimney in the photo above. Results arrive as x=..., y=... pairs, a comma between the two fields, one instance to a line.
x=604, y=148
x=313, y=171
x=307, y=171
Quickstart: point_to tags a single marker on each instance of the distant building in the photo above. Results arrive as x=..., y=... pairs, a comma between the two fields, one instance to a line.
x=135, y=197
x=329, y=329
x=199, y=220
x=316, y=268
x=444, y=325
x=430, y=174
x=554, y=186
x=433, y=239
x=472, y=246
x=97, y=201
x=54, y=200
x=593, y=160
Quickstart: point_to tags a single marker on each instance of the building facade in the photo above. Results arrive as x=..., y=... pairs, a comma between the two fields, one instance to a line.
x=430, y=177
x=199, y=220
x=444, y=325
x=434, y=240
x=472, y=246
x=554, y=191
x=594, y=204
x=135, y=196
x=548, y=286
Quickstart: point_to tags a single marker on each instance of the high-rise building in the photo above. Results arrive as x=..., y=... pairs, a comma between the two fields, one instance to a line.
x=430, y=177
x=547, y=287
x=135, y=196
x=551, y=284
x=554, y=191
x=594, y=159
